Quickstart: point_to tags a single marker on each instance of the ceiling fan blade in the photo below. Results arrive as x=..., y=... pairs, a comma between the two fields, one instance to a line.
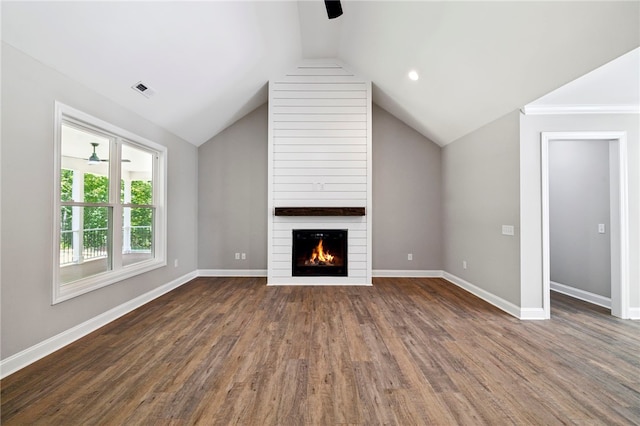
x=76, y=158
x=124, y=160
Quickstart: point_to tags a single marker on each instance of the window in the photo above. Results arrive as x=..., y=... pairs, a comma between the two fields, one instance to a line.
x=109, y=214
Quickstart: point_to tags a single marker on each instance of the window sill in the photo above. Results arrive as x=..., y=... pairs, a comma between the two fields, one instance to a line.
x=95, y=282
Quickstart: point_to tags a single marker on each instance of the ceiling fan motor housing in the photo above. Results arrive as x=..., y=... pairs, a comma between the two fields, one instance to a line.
x=334, y=8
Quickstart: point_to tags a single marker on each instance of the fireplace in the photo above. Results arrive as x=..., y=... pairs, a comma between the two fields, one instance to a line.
x=319, y=252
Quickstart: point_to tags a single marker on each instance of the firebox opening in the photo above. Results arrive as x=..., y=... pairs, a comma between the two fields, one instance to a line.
x=319, y=252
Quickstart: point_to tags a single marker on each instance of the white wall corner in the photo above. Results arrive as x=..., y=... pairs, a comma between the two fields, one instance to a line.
x=491, y=298
x=533, y=314
x=40, y=350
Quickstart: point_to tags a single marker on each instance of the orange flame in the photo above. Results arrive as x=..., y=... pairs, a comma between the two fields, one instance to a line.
x=319, y=256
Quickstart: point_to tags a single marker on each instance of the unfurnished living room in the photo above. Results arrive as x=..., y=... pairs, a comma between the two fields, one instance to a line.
x=320, y=212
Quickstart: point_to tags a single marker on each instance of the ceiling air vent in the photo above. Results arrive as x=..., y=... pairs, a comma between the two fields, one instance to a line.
x=144, y=89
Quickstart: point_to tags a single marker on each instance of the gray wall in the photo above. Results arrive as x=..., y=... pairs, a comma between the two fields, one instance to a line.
x=578, y=202
x=29, y=90
x=481, y=193
x=530, y=172
x=407, y=197
x=232, y=193
x=233, y=188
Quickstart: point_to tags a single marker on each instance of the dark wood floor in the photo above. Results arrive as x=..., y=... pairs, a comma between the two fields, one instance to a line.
x=405, y=351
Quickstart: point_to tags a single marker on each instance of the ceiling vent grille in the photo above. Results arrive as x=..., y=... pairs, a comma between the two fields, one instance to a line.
x=144, y=89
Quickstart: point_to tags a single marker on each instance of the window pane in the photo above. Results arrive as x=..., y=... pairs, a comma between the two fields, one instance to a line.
x=66, y=185
x=137, y=235
x=137, y=175
x=85, y=165
x=84, y=242
x=96, y=188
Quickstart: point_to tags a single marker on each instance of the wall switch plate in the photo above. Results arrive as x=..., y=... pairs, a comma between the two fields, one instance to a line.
x=464, y=264
x=175, y=263
x=508, y=230
x=410, y=256
x=244, y=256
x=601, y=228
x=237, y=256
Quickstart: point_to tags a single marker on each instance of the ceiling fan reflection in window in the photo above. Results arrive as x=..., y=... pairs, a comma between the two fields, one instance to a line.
x=94, y=159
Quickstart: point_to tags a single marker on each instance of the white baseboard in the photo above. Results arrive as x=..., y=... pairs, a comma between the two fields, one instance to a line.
x=263, y=273
x=406, y=273
x=496, y=301
x=232, y=272
x=34, y=353
x=46, y=347
x=586, y=296
x=634, y=313
x=508, y=307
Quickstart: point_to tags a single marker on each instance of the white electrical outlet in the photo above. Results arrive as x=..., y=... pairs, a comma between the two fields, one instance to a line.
x=237, y=256
x=464, y=264
x=175, y=263
x=244, y=256
x=601, y=228
x=410, y=256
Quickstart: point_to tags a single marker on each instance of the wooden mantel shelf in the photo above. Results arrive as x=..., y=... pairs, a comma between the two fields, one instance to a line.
x=319, y=211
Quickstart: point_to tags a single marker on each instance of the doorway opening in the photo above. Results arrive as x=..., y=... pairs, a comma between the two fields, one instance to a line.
x=618, y=228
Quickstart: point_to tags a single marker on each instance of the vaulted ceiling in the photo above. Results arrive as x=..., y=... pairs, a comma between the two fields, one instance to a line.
x=210, y=62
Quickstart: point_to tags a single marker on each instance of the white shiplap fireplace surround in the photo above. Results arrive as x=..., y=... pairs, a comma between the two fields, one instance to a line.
x=319, y=156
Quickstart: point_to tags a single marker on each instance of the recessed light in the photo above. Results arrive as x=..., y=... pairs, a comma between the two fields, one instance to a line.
x=413, y=75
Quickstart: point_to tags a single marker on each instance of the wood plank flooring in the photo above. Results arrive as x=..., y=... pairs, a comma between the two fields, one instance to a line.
x=223, y=351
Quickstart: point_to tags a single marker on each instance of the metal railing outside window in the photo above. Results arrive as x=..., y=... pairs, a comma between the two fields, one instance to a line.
x=141, y=238
x=95, y=245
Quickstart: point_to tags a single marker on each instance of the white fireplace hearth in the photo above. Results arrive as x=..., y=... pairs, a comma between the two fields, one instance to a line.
x=319, y=174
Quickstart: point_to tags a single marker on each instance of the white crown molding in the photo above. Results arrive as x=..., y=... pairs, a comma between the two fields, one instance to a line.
x=580, y=109
x=586, y=296
x=40, y=350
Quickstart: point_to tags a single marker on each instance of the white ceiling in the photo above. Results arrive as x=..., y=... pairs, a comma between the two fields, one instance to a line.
x=210, y=61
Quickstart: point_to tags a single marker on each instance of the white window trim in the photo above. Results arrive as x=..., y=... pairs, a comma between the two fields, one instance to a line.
x=61, y=293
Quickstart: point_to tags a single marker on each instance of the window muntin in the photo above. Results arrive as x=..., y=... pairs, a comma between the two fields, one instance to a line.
x=110, y=221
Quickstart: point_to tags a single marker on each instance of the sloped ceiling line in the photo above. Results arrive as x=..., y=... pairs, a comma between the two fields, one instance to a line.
x=210, y=61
